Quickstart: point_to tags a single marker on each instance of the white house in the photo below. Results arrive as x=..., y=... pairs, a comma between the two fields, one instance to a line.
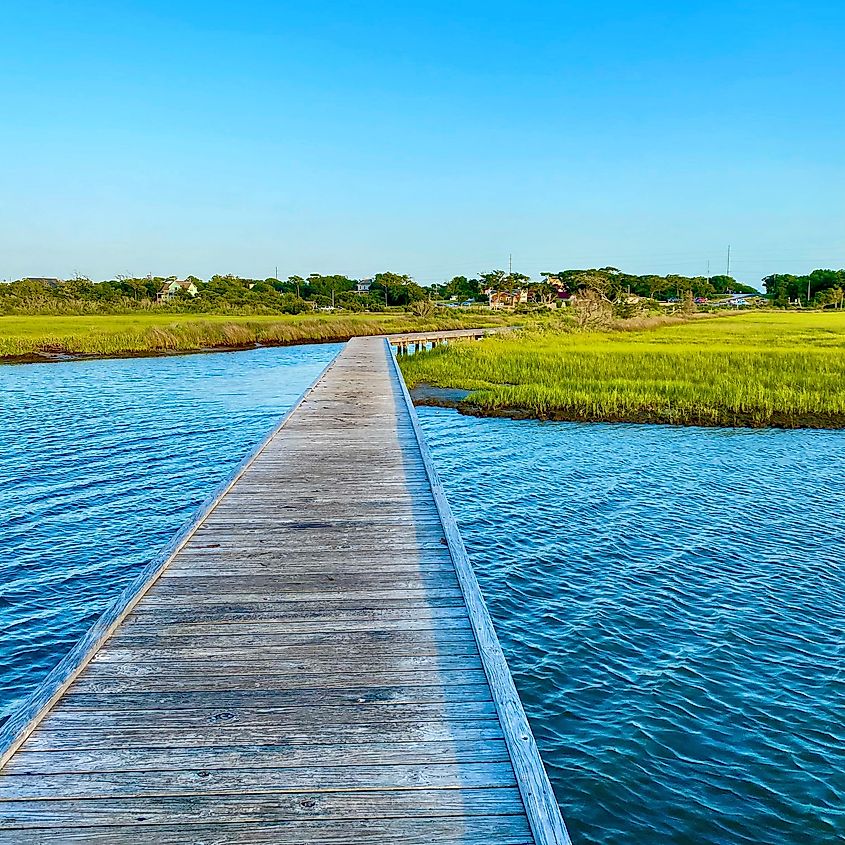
x=169, y=290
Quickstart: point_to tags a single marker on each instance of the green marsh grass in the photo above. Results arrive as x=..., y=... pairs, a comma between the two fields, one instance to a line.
x=146, y=333
x=757, y=369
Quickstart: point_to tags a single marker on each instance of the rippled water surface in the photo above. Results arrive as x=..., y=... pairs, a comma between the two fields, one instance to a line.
x=100, y=463
x=671, y=601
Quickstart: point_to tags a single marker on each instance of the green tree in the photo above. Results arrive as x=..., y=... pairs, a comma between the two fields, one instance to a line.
x=832, y=297
x=460, y=287
x=494, y=279
x=398, y=289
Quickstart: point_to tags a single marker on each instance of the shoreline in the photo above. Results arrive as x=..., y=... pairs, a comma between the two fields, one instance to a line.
x=758, y=371
x=201, y=336
x=434, y=397
x=65, y=357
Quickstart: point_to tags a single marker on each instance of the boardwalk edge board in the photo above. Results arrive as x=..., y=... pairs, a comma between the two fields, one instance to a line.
x=35, y=707
x=541, y=806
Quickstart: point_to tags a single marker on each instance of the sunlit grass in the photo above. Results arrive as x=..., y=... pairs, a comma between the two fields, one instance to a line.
x=758, y=369
x=125, y=334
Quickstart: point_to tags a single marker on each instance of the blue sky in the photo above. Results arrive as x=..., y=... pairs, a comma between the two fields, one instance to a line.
x=430, y=138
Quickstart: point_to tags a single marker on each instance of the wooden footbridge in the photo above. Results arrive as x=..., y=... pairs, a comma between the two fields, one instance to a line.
x=417, y=341
x=312, y=662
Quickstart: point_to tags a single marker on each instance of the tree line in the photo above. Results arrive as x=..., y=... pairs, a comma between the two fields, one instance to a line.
x=293, y=295
x=821, y=288
x=615, y=282
x=297, y=294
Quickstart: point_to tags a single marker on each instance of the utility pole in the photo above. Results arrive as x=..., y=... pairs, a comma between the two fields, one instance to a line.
x=276, y=277
x=510, y=264
x=729, y=261
x=808, y=292
x=708, y=269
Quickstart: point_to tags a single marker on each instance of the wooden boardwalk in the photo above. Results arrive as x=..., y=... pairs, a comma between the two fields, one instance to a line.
x=312, y=664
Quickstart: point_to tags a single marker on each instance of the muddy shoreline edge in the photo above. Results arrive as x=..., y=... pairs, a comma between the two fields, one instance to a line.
x=425, y=395
x=47, y=357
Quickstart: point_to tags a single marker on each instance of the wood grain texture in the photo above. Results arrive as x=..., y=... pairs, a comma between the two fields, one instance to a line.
x=252, y=757
x=249, y=830
x=312, y=732
x=370, y=693
x=303, y=667
x=235, y=815
x=373, y=713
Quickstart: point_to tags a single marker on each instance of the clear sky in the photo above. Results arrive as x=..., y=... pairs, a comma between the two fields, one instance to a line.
x=432, y=138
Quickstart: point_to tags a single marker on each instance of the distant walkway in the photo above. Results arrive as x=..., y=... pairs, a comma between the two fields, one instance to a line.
x=314, y=664
x=406, y=340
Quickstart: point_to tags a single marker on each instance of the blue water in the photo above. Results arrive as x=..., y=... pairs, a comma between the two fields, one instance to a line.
x=672, y=604
x=671, y=600
x=101, y=462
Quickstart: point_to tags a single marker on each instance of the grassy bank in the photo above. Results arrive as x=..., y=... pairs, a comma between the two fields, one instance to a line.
x=757, y=369
x=31, y=337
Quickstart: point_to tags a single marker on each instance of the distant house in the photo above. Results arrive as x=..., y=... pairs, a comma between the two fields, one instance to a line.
x=363, y=285
x=506, y=299
x=169, y=290
x=560, y=295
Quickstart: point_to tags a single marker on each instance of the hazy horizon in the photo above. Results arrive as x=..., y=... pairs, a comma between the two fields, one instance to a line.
x=430, y=139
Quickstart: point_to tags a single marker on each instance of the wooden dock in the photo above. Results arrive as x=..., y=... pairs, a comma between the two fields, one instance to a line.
x=312, y=662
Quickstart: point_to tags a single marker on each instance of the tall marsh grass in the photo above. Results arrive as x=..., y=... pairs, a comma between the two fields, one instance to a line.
x=762, y=369
x=22, y=336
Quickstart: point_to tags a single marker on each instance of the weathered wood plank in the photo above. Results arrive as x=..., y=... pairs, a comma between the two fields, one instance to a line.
x=267, y=623
x=314, y=804
x=332, y=607
x=503, y=830
x=336, y=498
x=360, y=547
x=285, y=554
x=182, y=594
x=169, y=782
x=187, y=668
x=356, y=639
x=371, y=524
x=257, y=652
x=340, y=680
x=209, y=714
x=244, y=567
x=290, y=697
x=291, y=582
x=135, y=759
x=162, y=736
x=350, y=543
x=292, y=610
